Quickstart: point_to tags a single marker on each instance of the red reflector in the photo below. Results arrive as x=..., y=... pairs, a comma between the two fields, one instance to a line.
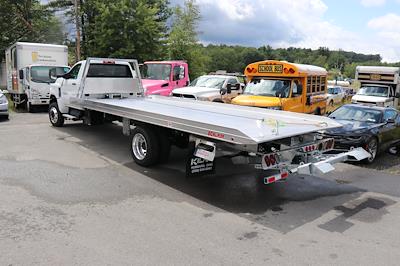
x=271, y=179
x=291, y=71
x=284, y=175
x=249, y=70
x=286, y=70
x=254, y=70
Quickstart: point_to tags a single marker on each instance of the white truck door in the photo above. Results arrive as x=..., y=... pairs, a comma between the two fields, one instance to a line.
x=71, y=83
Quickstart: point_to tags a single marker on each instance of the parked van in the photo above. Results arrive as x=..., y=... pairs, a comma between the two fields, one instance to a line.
x=285, y=86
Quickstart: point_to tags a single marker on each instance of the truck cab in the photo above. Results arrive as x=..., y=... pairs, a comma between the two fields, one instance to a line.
x=161, y=77
x=36, y=81
x=380, y=86
x=118, y=77
x=213, y=88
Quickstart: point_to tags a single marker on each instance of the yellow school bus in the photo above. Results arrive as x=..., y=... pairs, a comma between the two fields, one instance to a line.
x=285, y=86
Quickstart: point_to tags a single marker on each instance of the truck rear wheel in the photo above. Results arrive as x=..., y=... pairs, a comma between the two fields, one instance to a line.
x=55, y=116
x=145, y=146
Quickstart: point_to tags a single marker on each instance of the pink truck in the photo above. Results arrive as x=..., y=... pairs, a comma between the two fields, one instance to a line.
x=161, y=77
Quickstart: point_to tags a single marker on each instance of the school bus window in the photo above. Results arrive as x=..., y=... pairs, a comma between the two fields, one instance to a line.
x=314, y=84
x=323, y=84
x=309, y=85
x=318, y=83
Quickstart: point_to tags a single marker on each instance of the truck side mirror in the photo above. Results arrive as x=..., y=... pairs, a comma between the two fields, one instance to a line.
x=390, y=121
x=228, y=88
x=397, y=95
x=223, y=91
x=21, y=74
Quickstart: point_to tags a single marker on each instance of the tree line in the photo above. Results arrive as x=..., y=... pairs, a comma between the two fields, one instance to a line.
x=149, y=30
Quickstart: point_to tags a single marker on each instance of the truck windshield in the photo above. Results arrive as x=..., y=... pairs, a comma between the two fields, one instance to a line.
x=157, y=71
x=41, y=74
x=268, y=87
x=208, y=82
x=374, y=91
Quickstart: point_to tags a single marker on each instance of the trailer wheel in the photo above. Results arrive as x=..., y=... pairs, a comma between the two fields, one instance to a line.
x=145, y=146
x=55, y=116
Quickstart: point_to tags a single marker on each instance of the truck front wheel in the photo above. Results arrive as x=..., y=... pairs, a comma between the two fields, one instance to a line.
x=55, y=116
x=145, y=146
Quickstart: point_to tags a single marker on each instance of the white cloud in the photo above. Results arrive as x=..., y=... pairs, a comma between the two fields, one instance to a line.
x=388, y=34
x=373, y=3
x=286, y=23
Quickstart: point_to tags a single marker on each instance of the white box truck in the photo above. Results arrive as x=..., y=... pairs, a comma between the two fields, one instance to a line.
x=379, y=86
x=28, y=68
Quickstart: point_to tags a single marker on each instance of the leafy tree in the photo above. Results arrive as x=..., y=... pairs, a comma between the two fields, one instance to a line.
x=28, y=20
x=183, y=41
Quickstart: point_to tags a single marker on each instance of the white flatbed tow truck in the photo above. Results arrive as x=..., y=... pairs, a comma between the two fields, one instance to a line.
x=278, y=143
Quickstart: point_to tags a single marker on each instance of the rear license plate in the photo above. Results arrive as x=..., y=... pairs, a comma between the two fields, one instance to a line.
x=270, y=161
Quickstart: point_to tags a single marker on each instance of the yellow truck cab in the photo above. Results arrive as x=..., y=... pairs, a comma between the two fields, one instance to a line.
x=285, y=86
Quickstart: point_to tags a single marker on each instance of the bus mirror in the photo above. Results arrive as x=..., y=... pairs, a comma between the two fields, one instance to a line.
x=308, y=101
x=397, y=95
x=21, y=74
x=299, y=89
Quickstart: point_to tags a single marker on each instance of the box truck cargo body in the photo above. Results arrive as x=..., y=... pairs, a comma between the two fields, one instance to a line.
x=28, y=66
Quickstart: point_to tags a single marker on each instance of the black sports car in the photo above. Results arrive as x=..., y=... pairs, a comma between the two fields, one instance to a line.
x=373, y=128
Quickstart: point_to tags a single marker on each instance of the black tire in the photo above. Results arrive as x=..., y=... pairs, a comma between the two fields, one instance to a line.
x=55, y=116
x=317, y=111
x=372, y=143
x=165, y=146
x=145, y=148
x=29, y=107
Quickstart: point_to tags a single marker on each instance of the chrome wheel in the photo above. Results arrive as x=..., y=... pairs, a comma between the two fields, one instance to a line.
x=372, y=148
x=53, y=114
x=139, y=146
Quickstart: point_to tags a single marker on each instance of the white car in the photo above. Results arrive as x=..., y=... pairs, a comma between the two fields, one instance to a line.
x=213, y=88
x=3, y=106
x=335, y=95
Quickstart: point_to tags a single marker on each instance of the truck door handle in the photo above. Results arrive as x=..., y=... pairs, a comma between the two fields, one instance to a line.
x=73, y=83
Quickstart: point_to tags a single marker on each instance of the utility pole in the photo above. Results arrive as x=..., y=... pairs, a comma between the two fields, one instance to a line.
x=78, y=31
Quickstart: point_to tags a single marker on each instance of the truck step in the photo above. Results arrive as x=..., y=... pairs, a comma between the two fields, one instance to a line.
x=67, y=116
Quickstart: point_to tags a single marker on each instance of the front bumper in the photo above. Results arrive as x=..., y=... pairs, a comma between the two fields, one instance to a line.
x=40, y=101
x=347, y=142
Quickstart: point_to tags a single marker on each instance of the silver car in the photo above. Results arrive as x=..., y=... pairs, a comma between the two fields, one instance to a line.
x=3, y=106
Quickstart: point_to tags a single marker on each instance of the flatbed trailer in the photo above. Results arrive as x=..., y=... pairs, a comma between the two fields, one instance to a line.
x=276, y=142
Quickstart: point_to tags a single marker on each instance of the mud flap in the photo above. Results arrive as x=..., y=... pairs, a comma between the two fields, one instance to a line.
x=196, y=166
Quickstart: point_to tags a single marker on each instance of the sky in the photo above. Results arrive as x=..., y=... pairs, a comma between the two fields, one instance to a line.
x=365, y=26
